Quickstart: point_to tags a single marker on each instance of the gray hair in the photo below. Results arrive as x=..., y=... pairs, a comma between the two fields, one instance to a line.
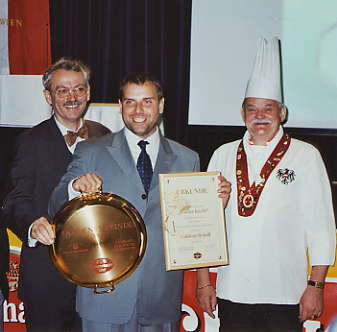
x=279, y=104
x=65, y=64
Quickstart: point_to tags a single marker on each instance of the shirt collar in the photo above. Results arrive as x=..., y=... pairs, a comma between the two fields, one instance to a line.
x=152, y=149
x=271, y=144
x=63, y=129
x=133, y=139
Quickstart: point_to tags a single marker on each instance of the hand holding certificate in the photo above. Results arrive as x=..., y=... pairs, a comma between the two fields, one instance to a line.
x=193, y=220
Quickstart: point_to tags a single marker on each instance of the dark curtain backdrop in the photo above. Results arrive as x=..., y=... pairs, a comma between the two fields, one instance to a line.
x=119, y=36
x=115, y=37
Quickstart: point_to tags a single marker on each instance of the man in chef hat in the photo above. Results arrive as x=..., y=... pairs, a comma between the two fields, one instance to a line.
x=280, y=209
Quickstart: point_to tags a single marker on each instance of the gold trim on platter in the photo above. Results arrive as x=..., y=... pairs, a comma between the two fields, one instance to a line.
x=100, y=240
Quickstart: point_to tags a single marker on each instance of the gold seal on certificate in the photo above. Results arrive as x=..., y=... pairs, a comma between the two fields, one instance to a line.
x=193, y=220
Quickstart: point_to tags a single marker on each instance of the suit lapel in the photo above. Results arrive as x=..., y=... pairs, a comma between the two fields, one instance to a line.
x=166, y=157
x=120, y=153
x=55, y=136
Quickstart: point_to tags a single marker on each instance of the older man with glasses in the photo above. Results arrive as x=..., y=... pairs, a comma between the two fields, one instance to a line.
x=42, y=157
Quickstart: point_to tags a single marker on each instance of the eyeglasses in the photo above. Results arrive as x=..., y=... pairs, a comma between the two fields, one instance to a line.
x=62, y=93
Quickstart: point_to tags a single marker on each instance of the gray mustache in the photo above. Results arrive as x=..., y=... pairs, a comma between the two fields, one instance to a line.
x=260, y=121
x=72, y=103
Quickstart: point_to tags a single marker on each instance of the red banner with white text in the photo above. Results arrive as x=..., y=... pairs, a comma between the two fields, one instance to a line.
x=193, y=319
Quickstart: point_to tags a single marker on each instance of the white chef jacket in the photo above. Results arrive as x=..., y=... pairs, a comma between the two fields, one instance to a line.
x=268, y=250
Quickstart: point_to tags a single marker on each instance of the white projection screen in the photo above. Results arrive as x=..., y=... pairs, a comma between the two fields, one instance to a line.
x=223, y=46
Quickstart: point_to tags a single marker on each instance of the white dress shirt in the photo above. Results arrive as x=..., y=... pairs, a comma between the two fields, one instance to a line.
x=152, y=148
x=64, y=131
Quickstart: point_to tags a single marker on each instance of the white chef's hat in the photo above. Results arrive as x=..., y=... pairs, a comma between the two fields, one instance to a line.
x=265, y=81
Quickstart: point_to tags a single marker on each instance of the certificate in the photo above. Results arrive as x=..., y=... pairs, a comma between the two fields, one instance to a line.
x=193, y=220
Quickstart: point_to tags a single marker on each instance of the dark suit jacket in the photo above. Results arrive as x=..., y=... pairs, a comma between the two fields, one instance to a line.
x=41, y=159
x=4, y=252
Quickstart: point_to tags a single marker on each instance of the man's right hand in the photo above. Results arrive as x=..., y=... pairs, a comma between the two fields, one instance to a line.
x=42, y=231
x=88, y=183
x=206, y=298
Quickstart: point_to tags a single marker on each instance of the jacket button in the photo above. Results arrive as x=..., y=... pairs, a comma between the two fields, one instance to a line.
x=144, y=196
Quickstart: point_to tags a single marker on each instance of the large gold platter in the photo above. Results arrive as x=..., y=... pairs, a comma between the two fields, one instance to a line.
x=100, y=240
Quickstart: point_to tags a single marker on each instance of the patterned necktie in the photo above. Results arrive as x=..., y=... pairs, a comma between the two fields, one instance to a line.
x=71, y=136
x=144, y=166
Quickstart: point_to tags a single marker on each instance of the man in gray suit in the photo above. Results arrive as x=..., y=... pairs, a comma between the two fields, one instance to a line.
x=150, y=299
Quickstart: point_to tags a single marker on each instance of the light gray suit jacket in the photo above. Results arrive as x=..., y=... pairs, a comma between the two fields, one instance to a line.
x=153, y=292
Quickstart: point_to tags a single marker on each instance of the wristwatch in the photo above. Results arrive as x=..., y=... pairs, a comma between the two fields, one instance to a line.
x=317, y=284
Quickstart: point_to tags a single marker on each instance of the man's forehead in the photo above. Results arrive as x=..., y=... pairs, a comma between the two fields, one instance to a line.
x=146, y=90
x=259, y=101
x=132, y=97
x=65, y=75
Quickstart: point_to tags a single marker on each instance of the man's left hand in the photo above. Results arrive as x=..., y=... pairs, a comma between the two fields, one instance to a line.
x=224, y=190
x=311, y=303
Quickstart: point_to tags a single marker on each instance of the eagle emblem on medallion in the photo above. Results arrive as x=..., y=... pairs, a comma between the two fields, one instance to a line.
x=285, y=175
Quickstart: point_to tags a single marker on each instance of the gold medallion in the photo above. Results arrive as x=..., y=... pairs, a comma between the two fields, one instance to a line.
x=248, y=201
